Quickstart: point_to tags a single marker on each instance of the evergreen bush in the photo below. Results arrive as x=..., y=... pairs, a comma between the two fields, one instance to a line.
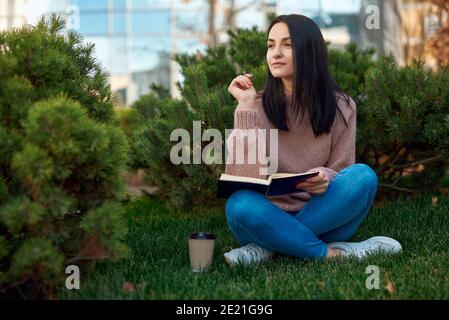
x=61, y=161
x=397, y=108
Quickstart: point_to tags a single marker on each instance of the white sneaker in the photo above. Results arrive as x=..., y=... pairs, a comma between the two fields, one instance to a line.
x=248, y=254
x=370, y=246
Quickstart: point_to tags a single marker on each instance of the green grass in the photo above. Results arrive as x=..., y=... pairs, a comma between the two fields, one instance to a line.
x=159, y=264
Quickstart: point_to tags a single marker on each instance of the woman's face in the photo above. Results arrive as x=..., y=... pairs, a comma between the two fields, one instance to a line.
x=279, y=52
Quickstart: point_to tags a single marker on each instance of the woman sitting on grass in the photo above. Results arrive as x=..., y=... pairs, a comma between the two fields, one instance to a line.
x=314, y=222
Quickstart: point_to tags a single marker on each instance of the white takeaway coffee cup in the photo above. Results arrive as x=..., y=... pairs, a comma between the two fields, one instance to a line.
x=201, y=250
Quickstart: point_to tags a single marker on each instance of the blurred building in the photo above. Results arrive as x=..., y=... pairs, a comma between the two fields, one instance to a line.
x=420, y=21
x=135, y=39
x=337, y=19
x=405, y=27
x=12, y=14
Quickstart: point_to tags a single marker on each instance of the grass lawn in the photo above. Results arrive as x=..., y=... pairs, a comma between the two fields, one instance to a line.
x=159, y=264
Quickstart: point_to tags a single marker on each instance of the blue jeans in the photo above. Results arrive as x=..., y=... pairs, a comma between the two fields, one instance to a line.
x=332, y=216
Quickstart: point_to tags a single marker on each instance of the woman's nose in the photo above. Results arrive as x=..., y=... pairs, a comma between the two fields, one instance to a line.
x=277, y=52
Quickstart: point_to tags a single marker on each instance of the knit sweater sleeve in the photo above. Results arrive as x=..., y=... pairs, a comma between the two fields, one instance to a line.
x=343, y=142
x=242, y=152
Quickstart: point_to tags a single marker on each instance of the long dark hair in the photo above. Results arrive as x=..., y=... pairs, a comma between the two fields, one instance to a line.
x=313, y=88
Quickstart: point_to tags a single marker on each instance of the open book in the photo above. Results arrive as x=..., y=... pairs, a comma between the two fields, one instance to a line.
x=276, y=184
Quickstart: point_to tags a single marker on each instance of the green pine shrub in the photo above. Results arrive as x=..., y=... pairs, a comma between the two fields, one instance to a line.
x=405, y=129
x=61, y=161
x=397, y=108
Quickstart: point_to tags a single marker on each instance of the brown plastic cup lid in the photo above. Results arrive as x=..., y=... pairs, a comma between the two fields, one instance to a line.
x=202, y=236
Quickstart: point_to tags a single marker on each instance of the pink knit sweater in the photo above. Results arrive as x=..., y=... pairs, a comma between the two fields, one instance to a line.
x=298, y=150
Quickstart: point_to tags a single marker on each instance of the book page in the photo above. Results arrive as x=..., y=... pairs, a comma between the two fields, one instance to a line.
x=228, y=177
x=286, y=175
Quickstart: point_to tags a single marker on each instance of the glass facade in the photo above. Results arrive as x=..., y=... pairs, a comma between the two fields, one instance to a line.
x=12, y=13
x=135, y=38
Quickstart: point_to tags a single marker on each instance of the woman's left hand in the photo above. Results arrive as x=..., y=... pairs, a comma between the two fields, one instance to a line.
x=316, y=185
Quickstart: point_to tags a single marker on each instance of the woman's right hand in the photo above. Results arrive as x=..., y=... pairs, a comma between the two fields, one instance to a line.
x=242, y=89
